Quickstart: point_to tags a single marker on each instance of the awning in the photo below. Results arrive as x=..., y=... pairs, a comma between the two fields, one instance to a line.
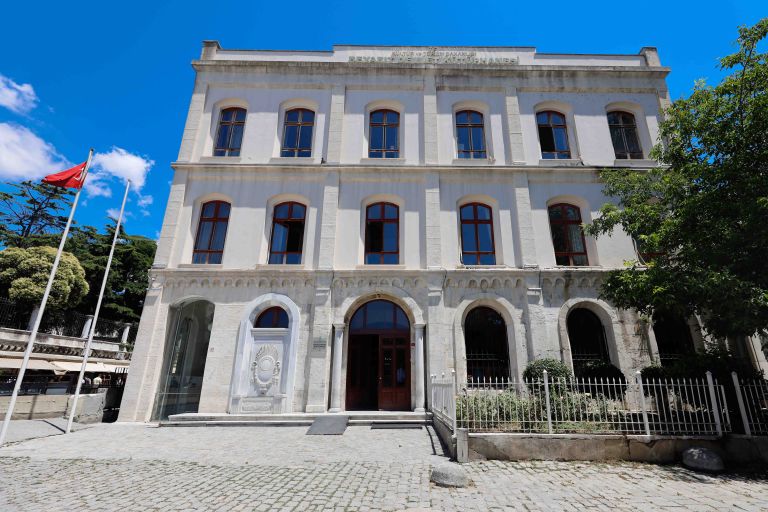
x=71, y=366
x=34, y=364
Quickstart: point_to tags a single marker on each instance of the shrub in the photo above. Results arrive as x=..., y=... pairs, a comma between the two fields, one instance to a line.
x=653, y=372
x=598, y=372
x=556, y=370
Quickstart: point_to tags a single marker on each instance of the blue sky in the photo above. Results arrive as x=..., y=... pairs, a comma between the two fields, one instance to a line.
x=116, y=75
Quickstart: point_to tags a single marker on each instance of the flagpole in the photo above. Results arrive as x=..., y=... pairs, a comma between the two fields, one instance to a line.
x=41, y=310
x=92, y=331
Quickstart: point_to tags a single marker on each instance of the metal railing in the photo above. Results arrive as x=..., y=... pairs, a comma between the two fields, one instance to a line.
x=12, y=316
x=443, y=400
x=752, y=398
x=595, y=406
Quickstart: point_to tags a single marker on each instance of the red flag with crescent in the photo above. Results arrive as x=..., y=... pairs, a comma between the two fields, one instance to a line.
x=71, y=178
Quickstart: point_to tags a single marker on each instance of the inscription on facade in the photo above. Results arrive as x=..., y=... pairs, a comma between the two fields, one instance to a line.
x=434, y=56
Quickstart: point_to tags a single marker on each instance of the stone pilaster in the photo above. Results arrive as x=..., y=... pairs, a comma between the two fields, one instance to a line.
x=430, y=120
x=432, y=220
x=516, y=152
x=338, y=346
x=335, y=124
x=418, y=368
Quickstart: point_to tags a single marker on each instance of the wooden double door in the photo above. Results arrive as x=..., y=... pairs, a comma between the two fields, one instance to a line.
x=378, y=372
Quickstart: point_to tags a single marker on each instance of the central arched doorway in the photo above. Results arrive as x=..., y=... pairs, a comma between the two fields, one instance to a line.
x=378, y=361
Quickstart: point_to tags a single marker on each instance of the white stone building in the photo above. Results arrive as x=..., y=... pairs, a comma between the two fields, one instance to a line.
x=402, y=208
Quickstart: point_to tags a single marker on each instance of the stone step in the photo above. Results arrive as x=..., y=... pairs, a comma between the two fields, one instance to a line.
x=295, y=419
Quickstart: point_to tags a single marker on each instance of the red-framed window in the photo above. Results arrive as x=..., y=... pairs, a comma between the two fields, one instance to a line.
x=470, y=134
x=211, y=232
x=553, y=135
x=287, y=237
x=229, y=135
x=297, y=133
x=567, y=235
x=272, y=318
x=382, y=229
x=477, y=243
x=384, y=134
x=624, y=135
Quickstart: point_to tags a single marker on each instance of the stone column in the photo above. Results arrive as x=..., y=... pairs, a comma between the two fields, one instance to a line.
x=418, y=367
x=86, y=326
x=338, y=343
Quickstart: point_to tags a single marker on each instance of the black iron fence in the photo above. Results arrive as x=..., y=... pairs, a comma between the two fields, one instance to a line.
x=52, y=385
x=64, y=323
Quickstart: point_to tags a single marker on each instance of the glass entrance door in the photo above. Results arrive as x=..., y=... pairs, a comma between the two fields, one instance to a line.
x=394, y=374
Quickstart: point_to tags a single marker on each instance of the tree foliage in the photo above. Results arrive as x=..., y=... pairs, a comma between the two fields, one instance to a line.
x=128, y=277
x=24, y=275
x=704, y=212
x=29, y=214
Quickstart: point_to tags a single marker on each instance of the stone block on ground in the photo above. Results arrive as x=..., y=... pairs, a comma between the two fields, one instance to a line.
x=702, y=459
x=449, y=475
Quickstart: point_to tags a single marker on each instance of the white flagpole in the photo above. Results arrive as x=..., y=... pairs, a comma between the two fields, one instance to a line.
x=41, y=310
x=92, y=331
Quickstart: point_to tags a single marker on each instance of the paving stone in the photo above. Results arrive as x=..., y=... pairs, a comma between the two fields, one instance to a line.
x=135, y=467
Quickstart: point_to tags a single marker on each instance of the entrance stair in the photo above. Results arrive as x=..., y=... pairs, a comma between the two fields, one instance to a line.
x=295, y=419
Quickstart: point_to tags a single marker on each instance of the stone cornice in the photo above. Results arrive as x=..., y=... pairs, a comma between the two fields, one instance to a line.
x=398, y=68
x=367, y=168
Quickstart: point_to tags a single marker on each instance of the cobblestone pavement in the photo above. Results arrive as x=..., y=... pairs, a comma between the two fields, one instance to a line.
x=135, y=467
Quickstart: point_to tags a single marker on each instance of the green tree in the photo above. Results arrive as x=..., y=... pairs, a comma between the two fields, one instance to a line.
x=30, y=214
x=24, y=274
x=704, y=212
x=128, y=277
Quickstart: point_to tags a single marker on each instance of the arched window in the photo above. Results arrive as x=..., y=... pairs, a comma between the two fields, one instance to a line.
x=624, y=135
x=567, y=235
x=297, y=133
x=553, y=135
x=211, y=232
x=673, y=337
x=378, y=315
x=384, y=134
x=477, y=244
x=272, y=318
x=470, y=134
x=287, y=233
x=229, y=135
x=587, y=337
x=382, y=228
x=485, y=339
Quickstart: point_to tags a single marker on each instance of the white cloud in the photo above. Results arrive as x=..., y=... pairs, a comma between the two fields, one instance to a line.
x=122, y=164
x=113, y=213
x=19, y=98
x=25, y=156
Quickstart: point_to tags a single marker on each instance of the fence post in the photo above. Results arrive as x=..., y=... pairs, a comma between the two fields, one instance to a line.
x=715, y=408
x=740, y=400
x=454, y=398
x=647, y=425
x=86, y=326
x=546, y=397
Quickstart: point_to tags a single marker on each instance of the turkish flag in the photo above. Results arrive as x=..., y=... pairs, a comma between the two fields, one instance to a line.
x=71, y=178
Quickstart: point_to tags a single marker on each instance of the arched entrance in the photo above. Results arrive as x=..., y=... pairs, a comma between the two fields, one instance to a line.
x=587, y=337
x=378, y=360
x=184, y=362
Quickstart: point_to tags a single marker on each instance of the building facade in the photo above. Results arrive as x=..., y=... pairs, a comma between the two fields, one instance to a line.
x=342, y=225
